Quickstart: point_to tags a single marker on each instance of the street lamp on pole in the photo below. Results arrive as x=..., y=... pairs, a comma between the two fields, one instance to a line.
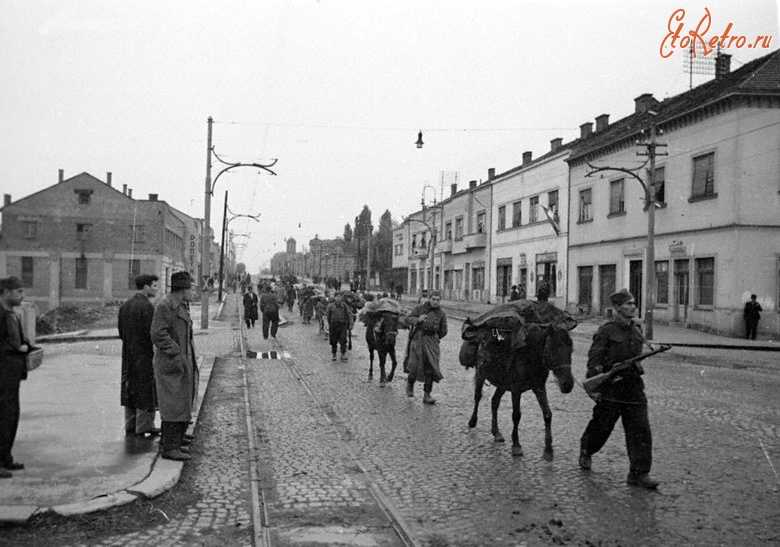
x=205, y=237
x=651, y=203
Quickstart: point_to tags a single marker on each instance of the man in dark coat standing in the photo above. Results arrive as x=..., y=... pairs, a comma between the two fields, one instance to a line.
x=13, y=369
x=428, y=325
x=340, y=320
x=175, y=367
x=752, y=315
x=269, y=307
x=138, y=395
x=623, y=397
x=250, y=307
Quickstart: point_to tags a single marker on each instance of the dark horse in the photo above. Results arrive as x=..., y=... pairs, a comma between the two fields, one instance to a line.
x=380, y=337
x=548, y=348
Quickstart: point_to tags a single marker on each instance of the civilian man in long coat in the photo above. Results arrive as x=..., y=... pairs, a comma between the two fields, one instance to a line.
x=138, y=395
x=175, y=367
x=428, y=325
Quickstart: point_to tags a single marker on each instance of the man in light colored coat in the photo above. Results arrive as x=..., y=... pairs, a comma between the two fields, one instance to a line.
x=175, y=367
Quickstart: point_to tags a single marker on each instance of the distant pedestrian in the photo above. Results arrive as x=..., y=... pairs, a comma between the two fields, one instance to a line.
x=138, y=394
x=428, y=325
x=399, y=291
x=175, y=366
x=423, y=296
x=290, y=298
x=514, y=294
x=521, y=292
x=269, y=307
x=14, y=345
x=752, y=315
x=340, y=320
x=543, y=290
x=624, y=397
x=250, y=307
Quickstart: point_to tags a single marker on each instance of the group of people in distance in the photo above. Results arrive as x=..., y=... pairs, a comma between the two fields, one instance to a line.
x=266, y=305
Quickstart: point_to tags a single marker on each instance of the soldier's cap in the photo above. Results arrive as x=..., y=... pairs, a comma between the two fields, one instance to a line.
x=11, y=283
x=181, y=280
x=621, y=297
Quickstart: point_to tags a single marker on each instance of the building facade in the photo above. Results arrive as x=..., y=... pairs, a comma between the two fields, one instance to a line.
x=82, y=241
x=717, y=216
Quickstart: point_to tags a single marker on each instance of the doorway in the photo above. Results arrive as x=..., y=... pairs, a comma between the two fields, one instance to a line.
x=681, y=290
x=635, y=283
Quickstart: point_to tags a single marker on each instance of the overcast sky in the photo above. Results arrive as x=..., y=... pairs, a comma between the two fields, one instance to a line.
x=335, y=89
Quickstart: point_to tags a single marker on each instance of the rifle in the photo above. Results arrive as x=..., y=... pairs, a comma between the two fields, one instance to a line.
x=593, y=385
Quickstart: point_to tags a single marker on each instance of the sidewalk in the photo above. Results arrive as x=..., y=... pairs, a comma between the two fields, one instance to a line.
x=71, y=433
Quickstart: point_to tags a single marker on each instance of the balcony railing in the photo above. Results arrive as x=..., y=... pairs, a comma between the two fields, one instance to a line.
x=474, y=241
x=444, y=246
x=420, y=252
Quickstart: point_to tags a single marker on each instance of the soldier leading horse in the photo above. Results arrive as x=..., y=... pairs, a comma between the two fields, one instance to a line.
x=548, y=347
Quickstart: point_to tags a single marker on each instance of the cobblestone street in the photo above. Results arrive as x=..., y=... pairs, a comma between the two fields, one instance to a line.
x=715, y=443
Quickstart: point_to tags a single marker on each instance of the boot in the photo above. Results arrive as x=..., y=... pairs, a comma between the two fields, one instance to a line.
x=428, y=400
x=170, y=442
x=343, y=356
x=410, y=388
x=333, y=356
x=642, y=479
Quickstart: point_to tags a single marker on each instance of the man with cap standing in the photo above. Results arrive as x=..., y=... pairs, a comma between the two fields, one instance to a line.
x=340, y=320
x=137, y=393
x=13, y=369
x=428, y=325
x=623, y=397
x=175, y=368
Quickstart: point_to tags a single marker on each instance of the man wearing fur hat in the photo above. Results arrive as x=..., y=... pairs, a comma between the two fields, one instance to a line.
x=13, y=369
x=623, y=397
x=175, y=368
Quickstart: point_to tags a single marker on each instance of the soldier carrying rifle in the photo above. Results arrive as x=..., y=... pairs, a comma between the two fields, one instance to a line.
x=623, y=396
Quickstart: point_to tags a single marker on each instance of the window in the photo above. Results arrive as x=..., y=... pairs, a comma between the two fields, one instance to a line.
x=617, y=197
x=448, y=230
x=585, y=278
x=703, y=176
x=81, y=273
x=516, y=215
x=478, y=278
x=84, y=196
x=139, y=233
x=82, y=229
x=399, y=250
x=134, y=271
x=586, y=213
x=552, y=201
x=662, y=282
x=459, y=228
x=533, y=209
x=548, y=272
x=502, y=217
x=660, y=184
x=414, y=241
x=29, y=229
x=27, y=271
x=423, y=242
x=481, y=222
x=705, y=281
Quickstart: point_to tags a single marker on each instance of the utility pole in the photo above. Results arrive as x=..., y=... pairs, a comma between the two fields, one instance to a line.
x=205, y=258
x=222, y=248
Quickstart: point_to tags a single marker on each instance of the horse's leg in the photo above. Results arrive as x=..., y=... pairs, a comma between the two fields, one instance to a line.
x=517, y=450
x=382, y=359
x=370, y=359
x=478, y=382
x=541, y=396
x=495, y=402
x=391, y=352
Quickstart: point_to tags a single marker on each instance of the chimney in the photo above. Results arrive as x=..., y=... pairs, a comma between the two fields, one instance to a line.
x=602, y=122
x=644, y=102
x=62, y=175
x=527, y=157
x=152, y=197
x=129, y=192
x=491, y=173
x=108, y=178
x=586, y=129
x=722, y=65
x=472, y=184
x=555, y=144
x=124, y=189
x=6, y=200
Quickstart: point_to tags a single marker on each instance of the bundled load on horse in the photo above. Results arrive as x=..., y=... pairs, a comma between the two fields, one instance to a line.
x=515, y=346
x=353, y=300
x=381, y=320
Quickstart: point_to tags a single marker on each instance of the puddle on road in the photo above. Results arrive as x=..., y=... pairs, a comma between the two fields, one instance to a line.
x=331, y=535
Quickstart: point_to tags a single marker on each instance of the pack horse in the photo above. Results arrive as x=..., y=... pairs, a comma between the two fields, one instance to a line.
x=515, y=346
